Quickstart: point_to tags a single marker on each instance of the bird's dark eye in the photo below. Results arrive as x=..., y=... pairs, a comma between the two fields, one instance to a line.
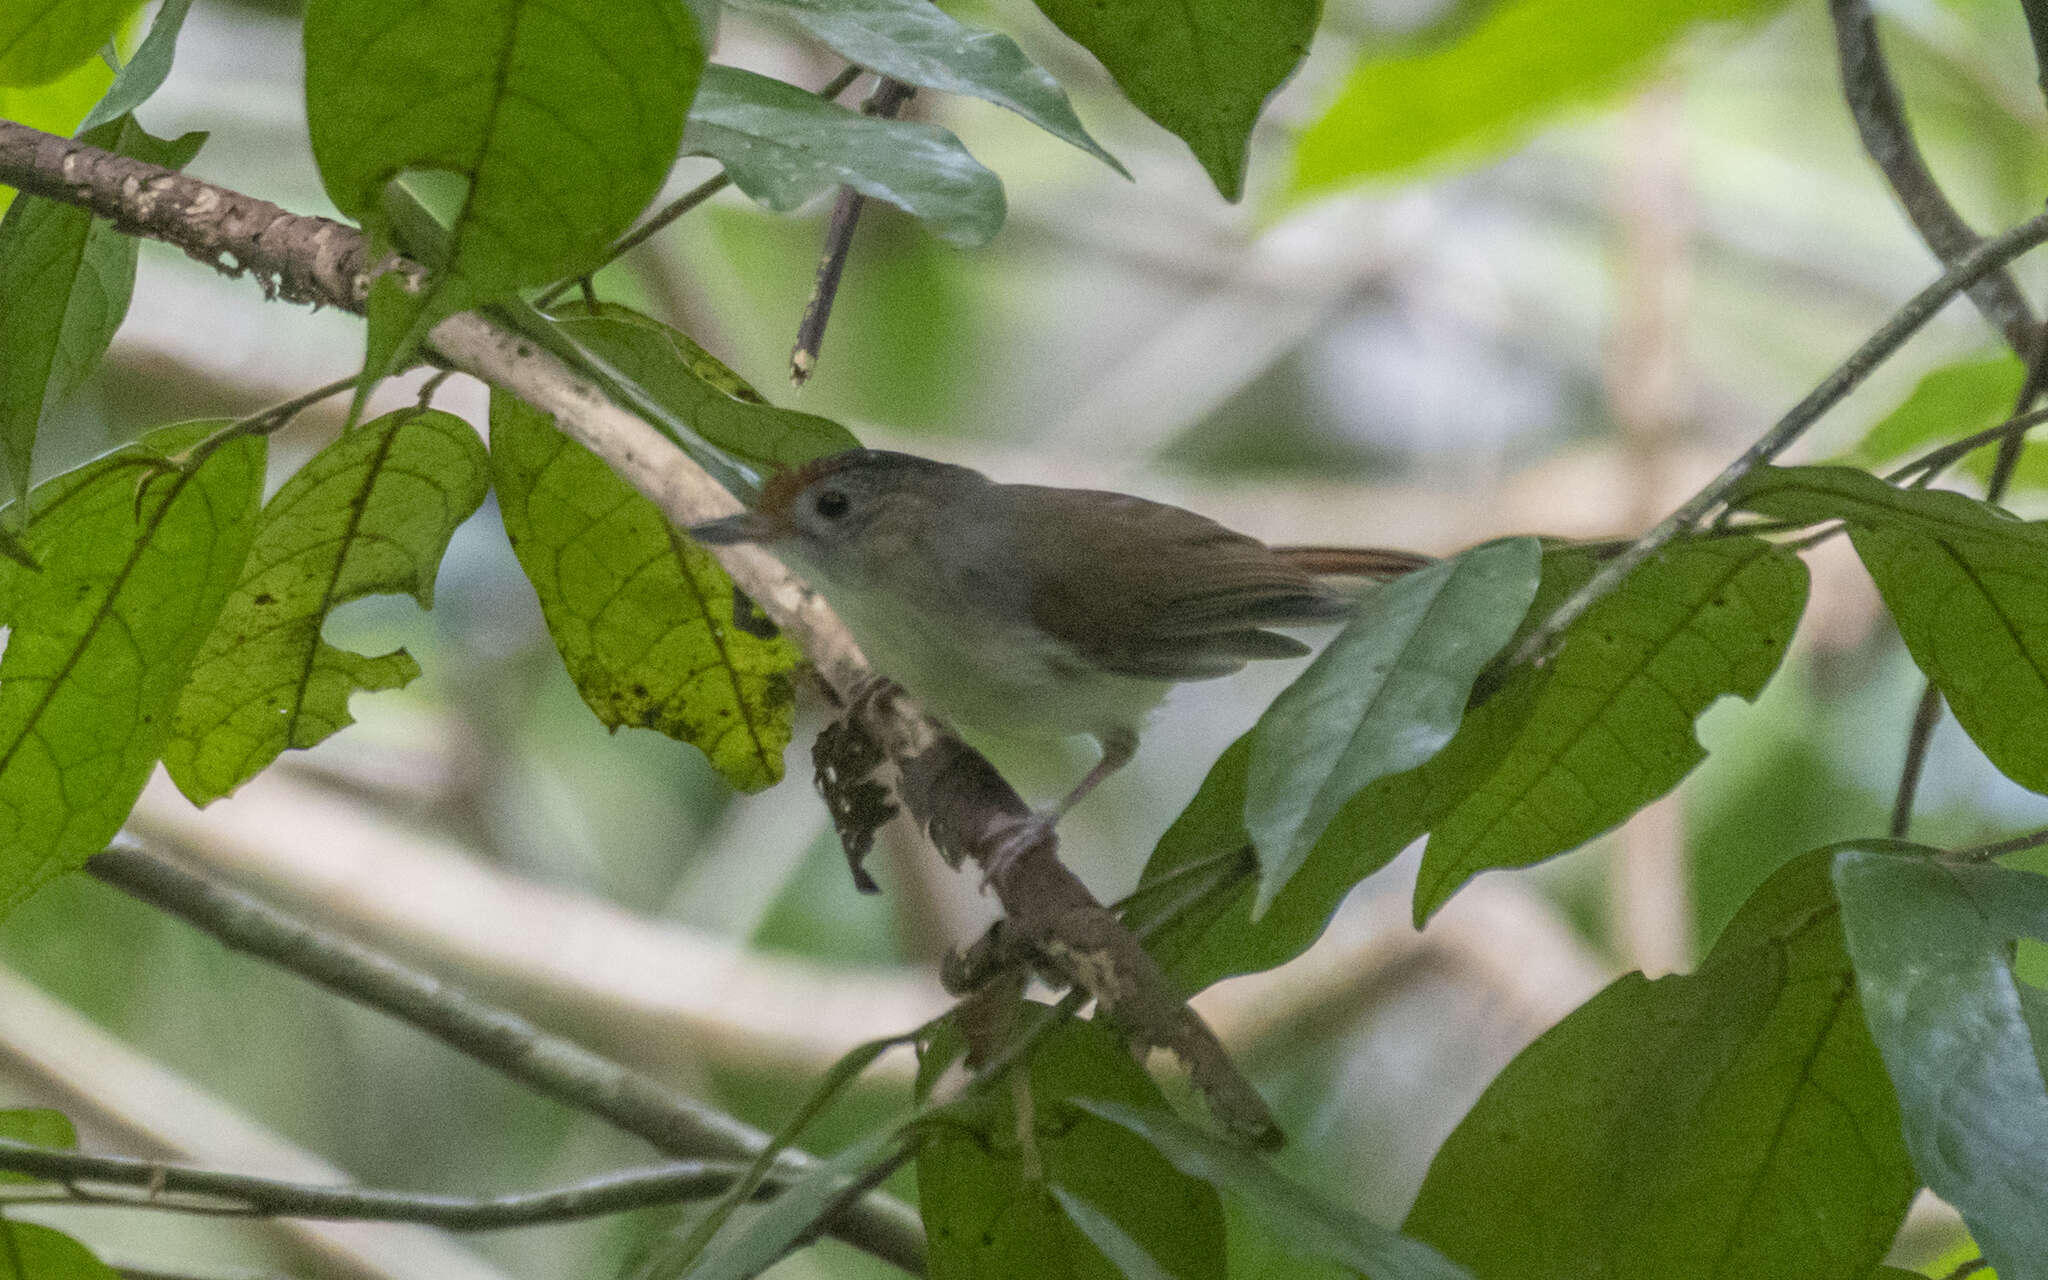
x=832, y=504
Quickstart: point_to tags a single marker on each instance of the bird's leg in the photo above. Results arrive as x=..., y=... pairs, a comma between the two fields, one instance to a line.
x=1118, y=746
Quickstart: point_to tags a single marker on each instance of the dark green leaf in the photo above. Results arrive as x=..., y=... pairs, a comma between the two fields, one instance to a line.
x=1949, y=403
x=1384, y=697
x=29, y=1252
x=369, y=514
x=1931, y=942
x=37, y=1126
x=702, y=393
x=137, y=556
x=643, y=618
x=562, y=116
x=784, y=147
x=1974, y=614
x=66, y=276
x=1312, y=1226
x=918, y=43
x=1813, y=494
x=1732, y=1123
x=1609, y=721
x=144, y=73
x=989, y=1207
x=42, y=39
x=1525, y=61
x=1201, y=68
x=1109, y=1239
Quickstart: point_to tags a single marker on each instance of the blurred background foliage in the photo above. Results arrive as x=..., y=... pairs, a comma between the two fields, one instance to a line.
x=1491, y=274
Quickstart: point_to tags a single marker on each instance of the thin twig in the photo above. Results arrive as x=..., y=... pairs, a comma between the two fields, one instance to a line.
x=1973, y=266
x=243, y=1194
x=1926, y=715
x=1924, y=469
x=558, y=1068
x=1998, y=848
x=1881, y=121
x=886, y=102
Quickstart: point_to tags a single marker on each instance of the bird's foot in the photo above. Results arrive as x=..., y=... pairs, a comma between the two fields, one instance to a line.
x=1017, y=836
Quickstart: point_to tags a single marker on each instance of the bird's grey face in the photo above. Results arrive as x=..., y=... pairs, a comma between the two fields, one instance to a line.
x=852, y=519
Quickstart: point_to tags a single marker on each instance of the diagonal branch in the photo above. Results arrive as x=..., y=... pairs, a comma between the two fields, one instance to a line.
x=550, y=1065
x=1880, y=117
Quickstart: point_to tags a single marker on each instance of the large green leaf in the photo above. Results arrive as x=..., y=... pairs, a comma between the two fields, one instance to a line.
x=1384, y=697
x=1948, y=403
x=643, y=617
x=785, y=147
x=1609, y=723
x=918, y=43
x=30, y=1252
x=369, y=514
x=144, y=72
x=1310, y=1225
x=561, y=116
x=1932, y=946
x=138, y=555
x=66, y=277
x=993, y=1211
x=1731, y=1124
x=40, y=40
x=1966, y=583
x=1201, y=68
x=1523, y=62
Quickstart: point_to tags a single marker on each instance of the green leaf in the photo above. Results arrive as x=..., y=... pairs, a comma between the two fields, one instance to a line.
x=1734, y=1122
x=1312, y=1227
x=66, y=276
x=1110, y=1240
x=369, y=514
x=561, y=115
x=40, y=40
x=789, y=1218
x=30, y=1252
x=702, y=393
x=1609, y=721
x=918, y=43
x=987, y=1214
x=1948, y=403
x=1974, y=614
x=1931, y=942
x=1967, y=584
x=1810, y=495
x=56, y=107
x=643, y=618
x=38, y=1126
x=145, y=71
x=1384, y=697
x=138, y=554
x=1524, y=62
x=1201, y=68
x=784, y=147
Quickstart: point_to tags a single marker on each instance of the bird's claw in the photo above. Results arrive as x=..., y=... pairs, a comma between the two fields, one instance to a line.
x=1019, y=835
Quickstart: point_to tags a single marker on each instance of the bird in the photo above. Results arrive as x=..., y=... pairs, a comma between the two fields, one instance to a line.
x=1036, y=612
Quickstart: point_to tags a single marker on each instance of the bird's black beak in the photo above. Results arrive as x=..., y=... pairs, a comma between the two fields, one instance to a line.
x=747, y=526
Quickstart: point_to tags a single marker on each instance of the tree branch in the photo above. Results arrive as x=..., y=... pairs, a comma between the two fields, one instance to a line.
x=216, y=1191
x=1973, y=266
x=1880, y=118
x=977, y=819
x=557, y=1068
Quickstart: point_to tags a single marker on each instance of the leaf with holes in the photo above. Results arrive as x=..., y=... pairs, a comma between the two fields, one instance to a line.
x=138, y=553
x=785, y=147
x=369, y=514
x=1609, y=723
x=1733, y=1122
x=643, y=618
x=1202, y=68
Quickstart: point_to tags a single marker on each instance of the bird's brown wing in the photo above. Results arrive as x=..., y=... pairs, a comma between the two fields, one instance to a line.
x=1153, y=591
